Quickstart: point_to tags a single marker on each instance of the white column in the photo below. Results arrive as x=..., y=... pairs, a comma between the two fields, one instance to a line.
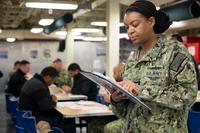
x=112, y=45
x=69, y=45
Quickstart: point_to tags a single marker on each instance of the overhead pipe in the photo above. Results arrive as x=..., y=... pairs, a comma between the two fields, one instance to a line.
x=183, y=11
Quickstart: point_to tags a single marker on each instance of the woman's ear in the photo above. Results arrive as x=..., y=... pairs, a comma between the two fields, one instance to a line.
x=151, y=21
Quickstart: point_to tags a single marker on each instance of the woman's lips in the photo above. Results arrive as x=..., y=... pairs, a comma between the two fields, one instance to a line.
x=133, y=38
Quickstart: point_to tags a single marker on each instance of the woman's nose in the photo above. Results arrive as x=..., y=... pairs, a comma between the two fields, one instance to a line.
x=131, y=30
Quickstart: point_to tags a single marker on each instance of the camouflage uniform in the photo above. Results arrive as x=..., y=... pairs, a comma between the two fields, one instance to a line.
x=167, y=79
x=64, y=78
x=114, y=126
x=97, y=124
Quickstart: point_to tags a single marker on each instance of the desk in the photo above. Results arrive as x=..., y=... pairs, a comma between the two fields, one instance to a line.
x=83, y=109
x=70, y=97
x=63, y=96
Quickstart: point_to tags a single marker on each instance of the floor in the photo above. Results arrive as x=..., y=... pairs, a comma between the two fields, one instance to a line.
x=6, y=125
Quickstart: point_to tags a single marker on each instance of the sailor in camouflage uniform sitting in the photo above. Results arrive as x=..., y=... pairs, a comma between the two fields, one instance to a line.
x=160, y=72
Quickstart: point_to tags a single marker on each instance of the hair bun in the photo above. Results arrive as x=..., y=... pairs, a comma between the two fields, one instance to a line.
x=162, y=22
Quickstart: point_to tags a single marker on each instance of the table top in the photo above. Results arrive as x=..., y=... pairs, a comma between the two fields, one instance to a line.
x=63, y=96
x=70, y=97
x=83, y=109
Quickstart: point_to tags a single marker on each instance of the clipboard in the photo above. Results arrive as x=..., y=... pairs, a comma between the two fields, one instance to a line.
x=108, y=83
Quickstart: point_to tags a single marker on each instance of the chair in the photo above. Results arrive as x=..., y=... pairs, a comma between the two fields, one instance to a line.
x=19, y=114
x=29, y=123
x=193, y=118
x=7, y=103
x=19, y=129
x=100, y=100
x=12, y=106
x=57, y=130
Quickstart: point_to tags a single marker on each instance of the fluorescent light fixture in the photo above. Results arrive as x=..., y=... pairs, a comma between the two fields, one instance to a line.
x=102, y=23
x=78, y=37
x=52, y=5
x=10, y=39
x=76, y=33
x=61, y=33
x=94, y=38
x=123, y=35
x=36, y=30
x=157, y=8
x=86, y=30
x=64, y=33
x=99, y=23
x=45, y=22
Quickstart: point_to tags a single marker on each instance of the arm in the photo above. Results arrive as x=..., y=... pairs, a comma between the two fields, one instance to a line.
x=120, y=108
x=44, y=100
x=15, y=85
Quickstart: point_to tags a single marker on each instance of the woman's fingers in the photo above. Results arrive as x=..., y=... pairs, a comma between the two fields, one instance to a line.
x=130, y=86
x=118, y=96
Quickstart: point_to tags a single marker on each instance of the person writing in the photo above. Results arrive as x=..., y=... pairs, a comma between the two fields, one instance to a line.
x=64, y=80
x=35, y=96
x=161, y=73
x=81, y=84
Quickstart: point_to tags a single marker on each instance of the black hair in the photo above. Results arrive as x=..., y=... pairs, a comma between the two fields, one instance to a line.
x=16, y=63
x=50, y=71
x=177, y=37
x=57, y=60
x=24, y=62
x=73, y=67
x=148, y=9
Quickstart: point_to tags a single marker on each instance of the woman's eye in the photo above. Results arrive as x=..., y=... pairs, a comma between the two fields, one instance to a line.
x=134, y=25
x=126, y=27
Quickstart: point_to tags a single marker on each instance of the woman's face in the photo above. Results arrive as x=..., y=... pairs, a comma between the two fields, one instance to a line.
x=138, y=27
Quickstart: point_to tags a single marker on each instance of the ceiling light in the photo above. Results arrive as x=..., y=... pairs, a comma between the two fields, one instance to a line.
x=102, y=23
x=10, y=39
x=76, y=33
x=45, y=22
x=52, y=5
x=64, y=33
x=61, y=33
x=157, y=8
x=94, y=38
x=86, y=30
x=78, y=37
x=36, y=30
x=0, y=31
x=98, y=23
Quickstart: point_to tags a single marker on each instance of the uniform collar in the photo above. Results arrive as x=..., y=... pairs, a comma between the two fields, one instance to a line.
x=155, y=52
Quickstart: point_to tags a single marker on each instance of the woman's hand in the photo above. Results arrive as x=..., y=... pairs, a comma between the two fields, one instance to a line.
x=130, y=86
x=117, y=96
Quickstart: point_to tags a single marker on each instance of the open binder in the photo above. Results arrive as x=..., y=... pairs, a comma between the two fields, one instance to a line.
x=108, y=83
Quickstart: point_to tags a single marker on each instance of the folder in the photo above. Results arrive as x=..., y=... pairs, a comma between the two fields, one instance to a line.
x=109, y=83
